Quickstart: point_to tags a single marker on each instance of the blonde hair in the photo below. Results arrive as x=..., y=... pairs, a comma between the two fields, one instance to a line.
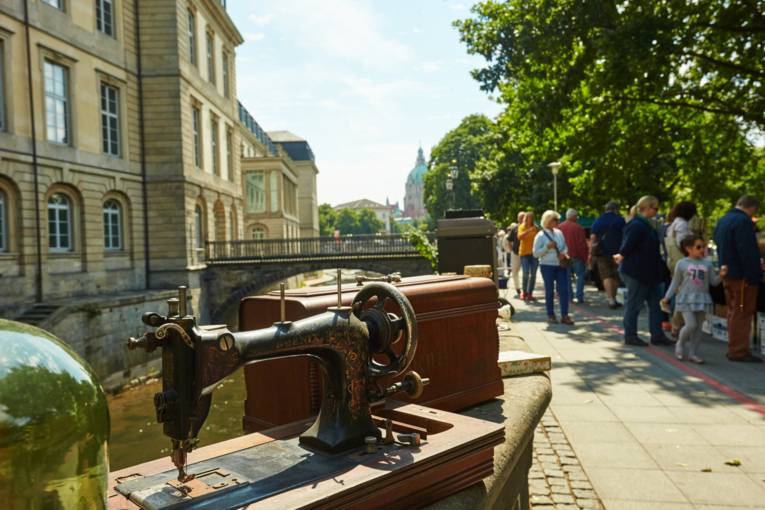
x=646, y=202
x=547, y=217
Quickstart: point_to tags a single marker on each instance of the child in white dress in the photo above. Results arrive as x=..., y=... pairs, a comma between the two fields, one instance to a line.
x=690, y=284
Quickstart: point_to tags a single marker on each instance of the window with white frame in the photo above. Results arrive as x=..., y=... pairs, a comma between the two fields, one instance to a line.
x=274, y=180
x=110, y=120
x=211, y=57
x=255, y=187
x=214, y=144
x=56, y=102
x=192, y=34
x=2, y=85
x=58, y=4
x=105, y=17
x=112, y=225
x=3, y=220
x=59, y=223
x=195, y=125
x=226, y=83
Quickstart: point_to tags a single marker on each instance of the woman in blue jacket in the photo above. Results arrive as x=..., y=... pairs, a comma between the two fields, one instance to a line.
x=641, y=268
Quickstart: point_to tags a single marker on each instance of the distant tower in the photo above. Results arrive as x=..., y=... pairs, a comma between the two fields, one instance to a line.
x=414, y=205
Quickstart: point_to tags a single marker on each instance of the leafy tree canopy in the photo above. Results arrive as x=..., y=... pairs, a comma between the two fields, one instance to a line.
x=666, y=98
x=348, y=221
x=460, y=149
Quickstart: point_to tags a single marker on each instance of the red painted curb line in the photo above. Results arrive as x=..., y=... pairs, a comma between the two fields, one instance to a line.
x=740, y=397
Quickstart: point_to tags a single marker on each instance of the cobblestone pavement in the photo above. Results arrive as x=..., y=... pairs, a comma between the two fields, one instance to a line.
x=556, y=479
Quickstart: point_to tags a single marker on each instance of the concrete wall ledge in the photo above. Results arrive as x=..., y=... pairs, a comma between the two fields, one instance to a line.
x=520, y=408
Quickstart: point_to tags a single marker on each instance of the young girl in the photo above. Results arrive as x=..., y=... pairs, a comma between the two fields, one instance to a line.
x=690, y=283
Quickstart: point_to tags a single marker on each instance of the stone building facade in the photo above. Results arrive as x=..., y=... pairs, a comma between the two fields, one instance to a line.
x=303, y=161
x=71, y=186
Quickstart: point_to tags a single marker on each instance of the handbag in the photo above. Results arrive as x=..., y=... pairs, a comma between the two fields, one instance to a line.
x=564, y=260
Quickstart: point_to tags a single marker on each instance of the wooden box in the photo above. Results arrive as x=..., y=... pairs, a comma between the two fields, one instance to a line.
x=457, y=349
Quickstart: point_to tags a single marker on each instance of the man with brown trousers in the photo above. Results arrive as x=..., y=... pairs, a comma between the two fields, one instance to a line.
x=737, y=249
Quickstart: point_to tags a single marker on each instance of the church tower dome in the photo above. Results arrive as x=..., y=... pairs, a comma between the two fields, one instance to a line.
x=414, y=203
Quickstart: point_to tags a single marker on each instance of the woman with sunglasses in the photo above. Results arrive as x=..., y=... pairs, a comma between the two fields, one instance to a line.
x=690, y=284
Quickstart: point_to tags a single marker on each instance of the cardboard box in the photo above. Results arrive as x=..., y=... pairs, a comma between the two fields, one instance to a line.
x=721, y=310
x=719, y=328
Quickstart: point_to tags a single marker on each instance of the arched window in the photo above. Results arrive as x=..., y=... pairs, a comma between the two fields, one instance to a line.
x=112, y=225
x=198, y=228
x=258, y=233
x=59, y=223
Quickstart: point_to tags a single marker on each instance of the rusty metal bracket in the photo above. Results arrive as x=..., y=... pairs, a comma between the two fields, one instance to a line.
x=195, y=487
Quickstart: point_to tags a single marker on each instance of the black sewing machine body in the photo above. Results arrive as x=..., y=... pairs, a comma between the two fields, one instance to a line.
x=196, y=358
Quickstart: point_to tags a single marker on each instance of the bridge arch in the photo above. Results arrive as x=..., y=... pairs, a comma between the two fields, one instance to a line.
x=225, y=285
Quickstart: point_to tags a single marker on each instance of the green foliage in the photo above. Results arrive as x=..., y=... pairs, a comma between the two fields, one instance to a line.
x=460, y=148
x=348, y=221
x=327, y=219
x=420, y=241
x=633, y=98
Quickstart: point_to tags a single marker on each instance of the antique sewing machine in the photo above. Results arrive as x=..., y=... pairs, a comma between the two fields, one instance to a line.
x=340, y=456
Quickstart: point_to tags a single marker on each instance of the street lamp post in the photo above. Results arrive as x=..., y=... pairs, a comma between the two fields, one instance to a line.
x=555, y=166
x=451, y=180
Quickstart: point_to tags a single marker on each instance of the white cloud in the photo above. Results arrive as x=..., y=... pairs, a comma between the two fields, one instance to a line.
x=430, y=67
x=342, y=29
x=260, y=21
x=253, y=37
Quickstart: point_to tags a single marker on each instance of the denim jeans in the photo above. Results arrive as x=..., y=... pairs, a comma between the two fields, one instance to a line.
x=578, y=268
x=529, y=264
x=637, y=293
x=555, y=276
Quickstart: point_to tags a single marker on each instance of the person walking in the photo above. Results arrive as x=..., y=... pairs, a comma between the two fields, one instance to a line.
x=550, y=248
x=640, y=266
x=526, y=233
x=576, y=241
x=737, y=248
x=690, y=287
x=606, y=238
x=679, y=218
x=514, y=245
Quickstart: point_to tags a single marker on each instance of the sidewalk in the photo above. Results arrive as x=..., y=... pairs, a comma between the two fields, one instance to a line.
x=649, y=431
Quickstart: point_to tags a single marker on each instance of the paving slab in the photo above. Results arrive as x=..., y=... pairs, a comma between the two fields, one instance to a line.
x=718, y=488
x=648, y=431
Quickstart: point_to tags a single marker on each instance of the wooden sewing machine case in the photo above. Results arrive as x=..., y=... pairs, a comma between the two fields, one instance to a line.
x=458, y=347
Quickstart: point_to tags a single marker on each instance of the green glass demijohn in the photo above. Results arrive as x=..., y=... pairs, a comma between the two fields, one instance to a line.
x=54, y=424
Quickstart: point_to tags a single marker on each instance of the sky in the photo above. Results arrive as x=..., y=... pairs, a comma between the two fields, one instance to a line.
x=365, y=82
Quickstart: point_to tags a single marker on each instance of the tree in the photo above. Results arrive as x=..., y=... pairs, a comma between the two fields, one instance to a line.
x=357, y=222
x=633, y=97
x=327, y=220
x=460, y=149
x=369, y=223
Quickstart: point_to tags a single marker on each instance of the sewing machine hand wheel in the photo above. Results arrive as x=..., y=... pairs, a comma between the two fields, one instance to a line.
x=386, y=329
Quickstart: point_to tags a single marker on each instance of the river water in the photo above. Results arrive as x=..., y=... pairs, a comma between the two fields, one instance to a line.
x=137, y=437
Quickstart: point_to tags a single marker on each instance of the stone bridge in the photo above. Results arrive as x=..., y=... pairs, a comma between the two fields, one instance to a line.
x=237, y=269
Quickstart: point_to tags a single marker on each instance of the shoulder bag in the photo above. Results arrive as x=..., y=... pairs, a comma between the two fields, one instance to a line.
x=564, y=260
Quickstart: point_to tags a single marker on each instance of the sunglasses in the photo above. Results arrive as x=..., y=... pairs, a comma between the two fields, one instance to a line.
x=698, y=246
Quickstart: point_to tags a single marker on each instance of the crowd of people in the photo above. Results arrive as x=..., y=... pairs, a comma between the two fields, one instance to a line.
x=665, y=265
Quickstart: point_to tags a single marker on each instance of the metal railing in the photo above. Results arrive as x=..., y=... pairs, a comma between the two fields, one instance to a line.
x=310, y=248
